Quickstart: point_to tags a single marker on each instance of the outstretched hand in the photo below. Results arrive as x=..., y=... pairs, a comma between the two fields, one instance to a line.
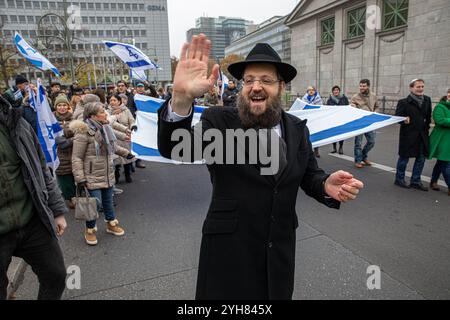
x=342, y=186
x=191, y=76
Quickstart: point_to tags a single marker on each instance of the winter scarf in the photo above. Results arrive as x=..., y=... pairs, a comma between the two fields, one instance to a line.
x=316, y=99
x=63, y=117
x=105, y=139
x=336, y=99
x=418, y=99
x=119, y=110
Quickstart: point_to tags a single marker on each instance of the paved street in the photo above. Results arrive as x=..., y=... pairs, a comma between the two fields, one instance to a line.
x=404, y=232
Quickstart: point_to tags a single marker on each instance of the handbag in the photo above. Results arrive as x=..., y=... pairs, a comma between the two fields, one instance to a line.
x=85, y=207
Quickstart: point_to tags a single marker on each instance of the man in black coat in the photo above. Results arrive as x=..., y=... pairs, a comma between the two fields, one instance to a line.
x=249, y=235
x=414, y=133
x=230, y=95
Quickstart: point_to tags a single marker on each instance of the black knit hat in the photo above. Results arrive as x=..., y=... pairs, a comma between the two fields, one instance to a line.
x=21, y=79
x=263, y=53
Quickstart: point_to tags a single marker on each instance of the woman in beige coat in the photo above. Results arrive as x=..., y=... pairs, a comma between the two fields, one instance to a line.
x=121, y=114
x=92, y=164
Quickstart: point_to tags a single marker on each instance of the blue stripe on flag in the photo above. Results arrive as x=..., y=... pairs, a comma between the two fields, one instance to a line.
x=349, y=127
x=308, y=107
x=149, y=106
x=152, y=106
x=144, y=151
x=138, y=64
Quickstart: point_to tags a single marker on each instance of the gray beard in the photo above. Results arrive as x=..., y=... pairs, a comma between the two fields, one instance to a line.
x=268, y=120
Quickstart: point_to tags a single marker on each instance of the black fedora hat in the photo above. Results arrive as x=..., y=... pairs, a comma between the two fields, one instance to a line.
x=263, y=53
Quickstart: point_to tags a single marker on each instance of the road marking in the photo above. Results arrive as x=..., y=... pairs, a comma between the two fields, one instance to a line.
x=387, y=169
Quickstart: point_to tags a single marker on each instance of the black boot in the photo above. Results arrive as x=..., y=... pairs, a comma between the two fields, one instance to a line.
x=341, y=148
x=117, y=174
x=334, y=148
x=127, y=169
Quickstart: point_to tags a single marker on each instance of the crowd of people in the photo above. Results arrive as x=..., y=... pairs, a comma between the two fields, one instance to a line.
x=95, y=149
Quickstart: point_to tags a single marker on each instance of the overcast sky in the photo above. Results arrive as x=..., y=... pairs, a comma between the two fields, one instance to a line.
x=182, y=14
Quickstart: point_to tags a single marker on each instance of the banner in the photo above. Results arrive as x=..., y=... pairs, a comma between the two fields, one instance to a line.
x=327, y=124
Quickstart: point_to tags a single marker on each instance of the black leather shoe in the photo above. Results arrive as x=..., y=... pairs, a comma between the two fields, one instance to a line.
x=401, y=184
x=420, y=187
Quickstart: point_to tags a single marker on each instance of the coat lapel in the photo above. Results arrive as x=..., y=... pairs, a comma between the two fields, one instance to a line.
x=292, y=134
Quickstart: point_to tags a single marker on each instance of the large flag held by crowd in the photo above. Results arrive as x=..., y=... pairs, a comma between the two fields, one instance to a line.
x=33, y=56
x=330, y=124
x=48, y=128
x=327, y=124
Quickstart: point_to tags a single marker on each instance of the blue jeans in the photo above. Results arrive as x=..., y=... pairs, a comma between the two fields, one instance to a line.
x=417, y=169
x=362, y=154
x=105, y=198
x=444, y=168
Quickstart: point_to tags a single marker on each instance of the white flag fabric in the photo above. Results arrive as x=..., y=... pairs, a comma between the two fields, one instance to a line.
x=224, y=86
x=48, y=128
x=327, y=124
x=330, y=124
x=138, y=75
x=131, y=55
x=33, y=56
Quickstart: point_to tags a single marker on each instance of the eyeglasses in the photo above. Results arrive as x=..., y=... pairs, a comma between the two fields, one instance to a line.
x=249, y=82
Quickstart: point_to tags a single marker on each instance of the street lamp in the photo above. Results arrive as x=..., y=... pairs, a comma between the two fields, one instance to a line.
x=66, y=35
x=156, y=62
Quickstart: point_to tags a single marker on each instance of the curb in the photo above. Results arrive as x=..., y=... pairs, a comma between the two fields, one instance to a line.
x=16, y=275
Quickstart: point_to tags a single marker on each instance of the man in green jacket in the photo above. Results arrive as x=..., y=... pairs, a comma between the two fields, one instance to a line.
x=31, y=206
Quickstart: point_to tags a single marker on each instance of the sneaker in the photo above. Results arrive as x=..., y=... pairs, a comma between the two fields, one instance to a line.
x=402, y=184
x=112, y=227
x=91, y=237
x=359, y=165
x=418, y=186
x=117, y=191
x=367, y=163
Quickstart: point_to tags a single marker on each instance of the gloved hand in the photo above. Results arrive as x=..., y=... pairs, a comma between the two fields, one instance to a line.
x=82, y=185
x=134, y=128
x=130, y=156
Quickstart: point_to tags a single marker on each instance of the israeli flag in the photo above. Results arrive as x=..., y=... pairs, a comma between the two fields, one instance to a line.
x=224, y=86
x=48, y=128
x=130, y=55
x=33, y=56
x=327, y=124
x=330, y=124
x=138, y=75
